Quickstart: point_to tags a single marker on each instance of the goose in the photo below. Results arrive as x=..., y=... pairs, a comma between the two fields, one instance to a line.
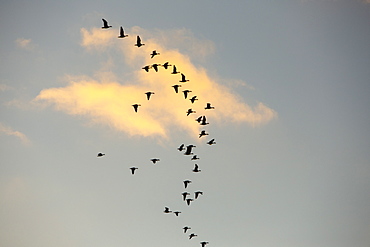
x=186, y=92
x=105, y=24
x=122, y=33
x=155, y=66
x=211, y=142
x=189, y=112
x=188, y=150
x=197, y=193
x=166, y=64
x=195, y=157
x=154, y=53
x=193, y=99
x=181, y=148
x=186, y=182
x=146, y=68
x=177, y=213
x=174, y=70
x=154, y=160
x=196, y=168
x=167, y=210
x=186, y=228
x=203, y=133
x=188, y=201
x=138, y=42
x=199, y=119
x=100, y=155
x=176, y=87
x=192, y=235
x=183, y=78
x=133, y=170
x=184, y=194
x=148, y=94
x=209, y=106
x=203, y=244
x=136, y=106
x=204, y=121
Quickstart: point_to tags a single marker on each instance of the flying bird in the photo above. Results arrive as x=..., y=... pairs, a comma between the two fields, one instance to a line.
x=189, y=112
x=199, y=119
x=148, y=94
x=204, y=121
x=211, y=142
x=177, y=213
x=154, y=53
x=155, y=66
x=184, y=194
x=196, y=168
x=167, y=210
x=203, y=244
x=105, y=24
x=138, y=42
x=209, y=106
x=100, y=155
x=176, y=87
x=174, y=70
x=154, y=160
x=203, y=133
x=146, y=68
x=186, y=228
x=188, y=150
x=181, y=148
x=166, y=64
x=186, y=92
x=197, y=193
x=195, y=157
x=122, y=33
x=188, y=201
x=192, y=235
x=183, y=78
x=136, y=106
x=186, y=182
x=193, y=99
x=133, y=170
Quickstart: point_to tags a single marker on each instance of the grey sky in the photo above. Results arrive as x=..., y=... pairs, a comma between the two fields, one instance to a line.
x=300, y=178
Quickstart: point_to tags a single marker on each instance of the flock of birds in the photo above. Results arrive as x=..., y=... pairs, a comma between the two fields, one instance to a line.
x=187, y=150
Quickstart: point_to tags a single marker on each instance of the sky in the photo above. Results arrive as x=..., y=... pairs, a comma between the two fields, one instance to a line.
x=289, y=81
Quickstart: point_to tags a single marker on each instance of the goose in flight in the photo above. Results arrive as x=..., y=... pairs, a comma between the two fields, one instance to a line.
x=148, y=94
x=186, y=92
x=193, y=99
x=195, y=157
x=204, y=121
x=146, y=68
x=196, y=168
x=154, y=160
x=184, y=194
x=203, y=133
x=174, y=70
x=189, y=112
x=155, y=66
x=192, y=235
x=209, y=106
x=167, y=210
x=177, y=213
x=199, y=119
x=166, y=64
x=181, y=148
x=154, y=53
x=183, y=78
x=138, y=42
x=188, y=150
x=197, y=193
x=186, y=182
x=105, y=24
x=176, y=87
x=133, y=170
x=211, y=142
x=186, y=228
x=100, y=155
x=122, y=33
x=203, y=244
x=136, y=106
x=188, y=201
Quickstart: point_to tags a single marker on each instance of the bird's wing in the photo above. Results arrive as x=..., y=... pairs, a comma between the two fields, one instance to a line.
x=105, y=23
x=121, y=31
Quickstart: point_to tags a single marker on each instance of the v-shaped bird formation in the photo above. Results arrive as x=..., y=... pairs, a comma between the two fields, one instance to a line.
x=186, y=149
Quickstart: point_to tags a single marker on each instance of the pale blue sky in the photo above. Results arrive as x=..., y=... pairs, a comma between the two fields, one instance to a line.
x=299, y=179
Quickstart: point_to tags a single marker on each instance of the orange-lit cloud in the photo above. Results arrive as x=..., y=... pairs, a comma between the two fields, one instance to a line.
x=25, y=44
x=108, y=98
x=10, y=132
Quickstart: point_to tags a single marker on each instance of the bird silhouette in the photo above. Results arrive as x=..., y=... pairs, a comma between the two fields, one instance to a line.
x=155, y=160
x=138, y=42
x=176, y=87
x=196, y=168
x=188, y=150
x=186, y=92
x=188, y=200
x=146, y=68
x=167, y=210
x=174, y=70
x=183, y=78
x=189, y=112
x=203, y=133
x=204, y=121
x=195, y=157
x=136, y=106
x=197, y=193
x=154, y=53
x=211, y=142
x=100, y=155
x=186, y=182
x=122, y=33
x=203, y=244
x=105, y=24
x=209, y=106
x=177, y=213
x=184, y=194
x=181, y=148
x=166, y=64
x=133, y=170
x=199, y=119
x=193, y=99
x=148, y=94
x=186, y=228
x=155, y=66
x=192, y=235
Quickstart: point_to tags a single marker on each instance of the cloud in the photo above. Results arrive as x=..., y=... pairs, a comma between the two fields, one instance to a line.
x=107, y=97
x=4, y=87
x=25, y=44
x=10, y=132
